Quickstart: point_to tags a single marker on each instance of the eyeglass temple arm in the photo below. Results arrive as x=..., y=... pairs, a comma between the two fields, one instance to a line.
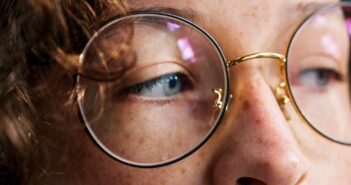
x=280, y=91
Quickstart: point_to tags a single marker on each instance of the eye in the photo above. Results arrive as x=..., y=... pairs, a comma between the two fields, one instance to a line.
x=163, y=86
x=319, y=78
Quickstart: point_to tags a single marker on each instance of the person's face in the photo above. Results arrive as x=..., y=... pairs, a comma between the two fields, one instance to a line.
x=255, y=144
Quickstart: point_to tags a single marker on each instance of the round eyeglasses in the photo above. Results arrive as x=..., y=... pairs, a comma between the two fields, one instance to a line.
x=166, y=83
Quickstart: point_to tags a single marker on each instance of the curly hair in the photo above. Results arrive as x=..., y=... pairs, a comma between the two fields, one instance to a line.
x=34, y=36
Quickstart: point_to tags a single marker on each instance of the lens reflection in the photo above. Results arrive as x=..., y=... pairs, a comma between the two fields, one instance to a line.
x=319, y=75
x=163, y=105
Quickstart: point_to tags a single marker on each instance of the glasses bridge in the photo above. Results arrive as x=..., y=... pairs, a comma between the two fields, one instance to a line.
x=239, y=60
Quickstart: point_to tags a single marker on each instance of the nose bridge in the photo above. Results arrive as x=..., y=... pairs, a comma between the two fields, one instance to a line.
x=280, y=90
x=258, y=141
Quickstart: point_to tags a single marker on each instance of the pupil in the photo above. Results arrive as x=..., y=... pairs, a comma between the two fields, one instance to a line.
x=322, y=76
x=172, y=82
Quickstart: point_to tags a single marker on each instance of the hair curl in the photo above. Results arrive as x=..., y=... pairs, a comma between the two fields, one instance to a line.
x=35, y=35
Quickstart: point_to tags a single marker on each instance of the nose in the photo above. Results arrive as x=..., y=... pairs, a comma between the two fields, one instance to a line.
x=256, y=143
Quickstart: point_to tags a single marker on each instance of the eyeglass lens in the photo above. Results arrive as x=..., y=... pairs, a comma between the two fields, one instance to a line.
x=166, y=102
x=319, y=72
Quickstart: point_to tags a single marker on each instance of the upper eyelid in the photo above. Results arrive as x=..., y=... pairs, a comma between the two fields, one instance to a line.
x=151, y=82
x=160, y=76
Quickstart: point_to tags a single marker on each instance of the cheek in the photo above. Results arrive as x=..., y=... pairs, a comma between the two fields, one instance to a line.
x=332, y=161
x=86, y=164
x=329, y=111
x=148, y=132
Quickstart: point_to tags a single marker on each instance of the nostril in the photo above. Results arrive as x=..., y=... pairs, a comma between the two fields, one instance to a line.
x=249, y=181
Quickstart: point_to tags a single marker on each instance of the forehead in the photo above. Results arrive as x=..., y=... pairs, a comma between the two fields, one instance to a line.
x=234, y=9
x=242, y=21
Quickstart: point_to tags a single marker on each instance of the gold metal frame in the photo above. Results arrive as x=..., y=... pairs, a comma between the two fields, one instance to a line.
x=239, y=60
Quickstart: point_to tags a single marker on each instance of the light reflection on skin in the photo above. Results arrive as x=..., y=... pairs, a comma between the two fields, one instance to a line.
x=330, y=46
x=187, y=52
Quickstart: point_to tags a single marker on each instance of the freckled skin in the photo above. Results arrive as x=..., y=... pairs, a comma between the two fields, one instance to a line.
x=254, y=144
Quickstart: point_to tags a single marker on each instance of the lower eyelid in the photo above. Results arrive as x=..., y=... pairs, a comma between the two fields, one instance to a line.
x=149, y=100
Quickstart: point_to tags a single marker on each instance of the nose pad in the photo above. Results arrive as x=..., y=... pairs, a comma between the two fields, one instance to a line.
x=219, y=93
x=219, y=102
x=280, y=92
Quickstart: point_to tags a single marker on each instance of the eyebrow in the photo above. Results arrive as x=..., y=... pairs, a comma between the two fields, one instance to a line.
x=307, y=8
x=187, y=13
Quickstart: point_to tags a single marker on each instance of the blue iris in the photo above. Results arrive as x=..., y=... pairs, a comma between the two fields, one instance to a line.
x=163, y=86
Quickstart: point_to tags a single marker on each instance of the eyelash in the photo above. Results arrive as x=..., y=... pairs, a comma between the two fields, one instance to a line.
x=149, y=84
x=331, y=76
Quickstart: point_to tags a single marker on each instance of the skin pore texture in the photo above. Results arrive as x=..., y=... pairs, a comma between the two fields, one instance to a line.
x=255, y=144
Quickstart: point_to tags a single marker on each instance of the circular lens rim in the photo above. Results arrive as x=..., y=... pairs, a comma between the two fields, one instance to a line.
x=226, y=97
x=295, y=34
